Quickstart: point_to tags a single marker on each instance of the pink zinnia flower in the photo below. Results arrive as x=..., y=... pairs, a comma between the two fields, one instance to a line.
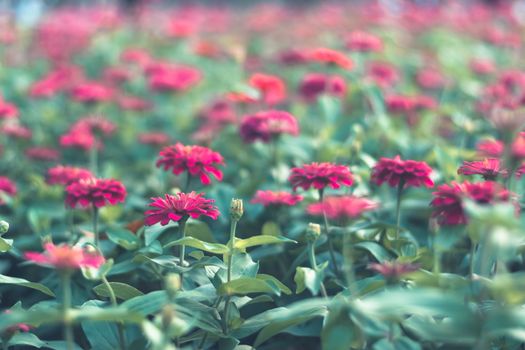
x=315, y=84
x=383, y=74
x=65, y=257
x=196, y=160
x=94, y=192
x=178, y=78
x=64, y=175
x=320, y=175
x=133, y=103
x=408, y=172
x=393, y=269
x=7, y=110
x=154, y=138
x=342, y=207
x=268, y=125
x=364, y=42
x=79, y=138
x=328, y=56
x=448, y=199
x=42, y=153
x=488, y=168
x=267, y=198
x=179, y=207
x=91, y=92
x=7, y=188
x=271, y=87
x=491, y=148
x=16, y=130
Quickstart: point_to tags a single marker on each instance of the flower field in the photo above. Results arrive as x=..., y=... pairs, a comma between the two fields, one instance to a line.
x=263, y=176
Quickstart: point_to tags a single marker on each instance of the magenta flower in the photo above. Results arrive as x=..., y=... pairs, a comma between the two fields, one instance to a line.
x=65, y=257
x=267, y=198
x=268, y=125
x=395, y=171
x=95, y=192
x=320, y=175
x=342, y=207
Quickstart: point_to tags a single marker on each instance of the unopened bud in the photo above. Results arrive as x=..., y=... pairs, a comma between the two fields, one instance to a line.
x=4, y=227
x=172, y=281
x=236, y=209
x=313, y=231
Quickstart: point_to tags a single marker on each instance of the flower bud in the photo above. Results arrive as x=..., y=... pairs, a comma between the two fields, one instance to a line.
x=4, y=227
x=236, y=209
x=172, y=282
x=313, y=231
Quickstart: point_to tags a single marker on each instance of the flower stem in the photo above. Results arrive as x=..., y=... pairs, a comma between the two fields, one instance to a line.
x=231, y=243
x=95, y=226
x=182, y=251
x=348, y=265
x=313, y=263
x=93, y=159
x=120, y=327
x=187, y=184
x=398, y=206
x=329, y=238
x=66, y=305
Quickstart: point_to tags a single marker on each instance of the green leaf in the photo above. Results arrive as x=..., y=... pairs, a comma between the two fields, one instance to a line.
x=28, y=339
x=25, y=283
x=214, y=248
x=271, y=228
x=306, y=277
x=248, y=285
x=199, y=230
x=242, y=244
x=281, y=285
x=122, y=290
x=399, y=343
x=94, y=274
x=339, y=331
x=5, y=244
x=376, y=250
x=124, y=238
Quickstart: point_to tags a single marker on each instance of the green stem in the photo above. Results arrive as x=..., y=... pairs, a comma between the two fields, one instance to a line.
x=398, y=206
x=348, y=265
x=95, y=226
x=313, y=263
x=93, y=160
x=471, y=259
x=188, y=182
x=206, y=334
x=331, y=248
x=182, y=251
x=231, y=242
x=120, y=326
x=66, y=305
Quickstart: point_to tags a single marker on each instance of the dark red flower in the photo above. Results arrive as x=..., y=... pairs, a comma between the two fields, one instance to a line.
x=271, y=88
x=328, y=56
x=320, y=175
x=91, y=92
x=7, y=188
x=408, y=172
x=448, y=199
x=196, y=160
x=64, y=175
x=267, y=198
x=315, y=84
x=364, y=42
x=489, y=168
x=94, y=192
x=178, y=207
x=342, y=207
x=267, y=125
x=65, y=257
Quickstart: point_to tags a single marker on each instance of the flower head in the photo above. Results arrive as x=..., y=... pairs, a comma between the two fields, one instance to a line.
x=65, y=257
x=393, y=269
x=328, y=56
x=154, y=138
x=64, y=175
x=91, y=92
x=7, y=188
x=196, y=160
x=7, y=110
x=448, y=199
x=42, y=153
x=179, y=78
x=320, y=175
x=395, y=171
x=364, y=42
x=489, y=168
x=272, y=88
x=178, y=207
x=267, y=198
x=267, y=125
x=315, y=84
x=342, y=207
x=95, y=192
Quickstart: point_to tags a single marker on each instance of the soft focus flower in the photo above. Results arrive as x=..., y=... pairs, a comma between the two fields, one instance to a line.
x=58, y=80
x=79, y=138
x=364, y=42
x=133, y=103
x=342, y=207
x=154, y=138
x=383, y=74
x=267, y=125
x=315, y=84
x=95, y=124
x=393, y=269
x=178, y=78
x=328, y=56
x=42, y=153
x=16, y=130
x=320, y=175
x=94, y=192
x=448, y=199
x=489, y=168
x=7, y=188
x=197, y=160
x=178, y=207
x=482, y=66
x=64, y=175
x=491, y=148
x=271, y=87
x=7, y=110
x=91, y=92
x=430, y=79
x=408, y=172
x=65, y=257
x=267, y=198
